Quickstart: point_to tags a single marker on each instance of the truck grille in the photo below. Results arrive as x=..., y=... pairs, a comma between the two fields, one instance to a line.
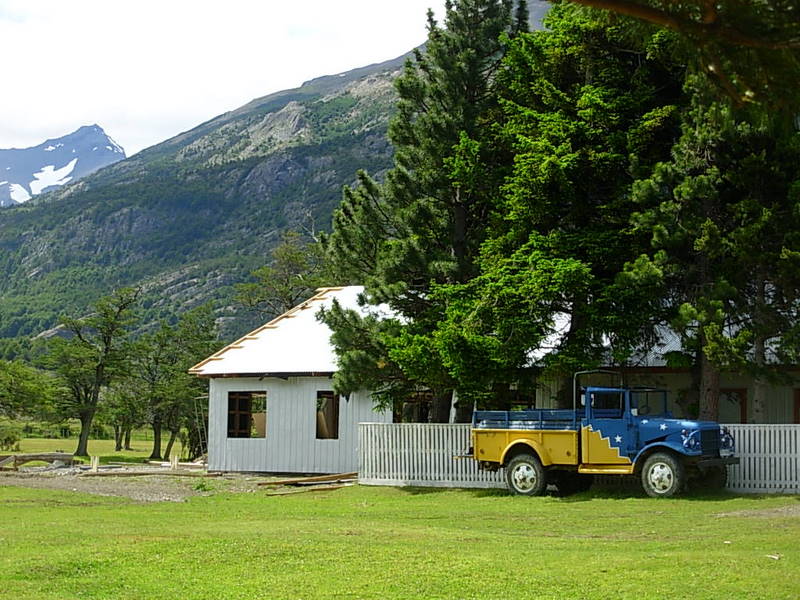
x=709, y=442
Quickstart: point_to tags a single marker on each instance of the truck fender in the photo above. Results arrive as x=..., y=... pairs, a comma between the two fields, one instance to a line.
x=657, y=447
x=530, y=447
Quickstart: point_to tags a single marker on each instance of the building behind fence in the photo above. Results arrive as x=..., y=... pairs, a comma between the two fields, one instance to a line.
x=422, y=454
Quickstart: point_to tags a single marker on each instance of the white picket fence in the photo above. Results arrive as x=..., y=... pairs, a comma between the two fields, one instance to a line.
x=422, y=454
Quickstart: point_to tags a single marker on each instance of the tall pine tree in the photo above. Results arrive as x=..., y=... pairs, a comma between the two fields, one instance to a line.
x=588, y=106
x=723, y=218
x=425, y=224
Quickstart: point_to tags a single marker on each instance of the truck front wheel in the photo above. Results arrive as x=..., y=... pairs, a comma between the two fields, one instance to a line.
x=663, y=475
x=525, y=475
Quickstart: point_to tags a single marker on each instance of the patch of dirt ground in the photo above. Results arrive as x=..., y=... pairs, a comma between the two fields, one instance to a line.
x=156, y=485
x=790, y=510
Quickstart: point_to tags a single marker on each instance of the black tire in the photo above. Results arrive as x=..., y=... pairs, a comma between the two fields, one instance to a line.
x=663, y=475
x=525, y=475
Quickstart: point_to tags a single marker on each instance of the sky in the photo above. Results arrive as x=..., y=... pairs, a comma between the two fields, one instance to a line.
x=146, y=70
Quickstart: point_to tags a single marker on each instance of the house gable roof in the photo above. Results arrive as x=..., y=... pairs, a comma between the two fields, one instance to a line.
x=295, y=343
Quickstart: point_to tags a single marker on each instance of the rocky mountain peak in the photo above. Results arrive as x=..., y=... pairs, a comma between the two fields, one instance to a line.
x=26, y=172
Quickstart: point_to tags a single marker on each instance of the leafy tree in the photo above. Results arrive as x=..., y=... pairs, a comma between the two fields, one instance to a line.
x=426, y=223
x=25, y=390
x=196, y=337
x=124, y=408
x=93, y=357
x=152, y=360
x=159, y=373
x=295, y=271
x=750, y=49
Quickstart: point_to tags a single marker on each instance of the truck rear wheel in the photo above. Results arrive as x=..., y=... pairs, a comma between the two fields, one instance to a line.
x=525, y=475
x=663, y=475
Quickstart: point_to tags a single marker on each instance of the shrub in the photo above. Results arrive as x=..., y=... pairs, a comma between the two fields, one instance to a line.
x=10, y=435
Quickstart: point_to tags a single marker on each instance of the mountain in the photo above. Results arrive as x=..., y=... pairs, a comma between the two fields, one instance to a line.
x=192, y=216
x=189, y=218
x=30, y=171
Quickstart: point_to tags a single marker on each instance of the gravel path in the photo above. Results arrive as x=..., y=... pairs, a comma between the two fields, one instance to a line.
x=159, y=486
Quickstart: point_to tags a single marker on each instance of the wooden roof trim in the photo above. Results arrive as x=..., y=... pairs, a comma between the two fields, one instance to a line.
x=276, y=375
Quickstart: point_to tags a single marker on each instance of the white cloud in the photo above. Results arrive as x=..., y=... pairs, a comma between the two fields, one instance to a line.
x=147, y=70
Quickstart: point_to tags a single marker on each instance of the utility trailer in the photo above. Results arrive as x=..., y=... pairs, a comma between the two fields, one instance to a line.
x=610, y=431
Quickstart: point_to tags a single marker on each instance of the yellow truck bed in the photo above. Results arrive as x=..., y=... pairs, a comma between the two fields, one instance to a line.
x=559, y=447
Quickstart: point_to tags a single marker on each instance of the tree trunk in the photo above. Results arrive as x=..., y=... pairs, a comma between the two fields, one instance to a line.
x=156, y=453
x=440, y=407
x=463, y=411
x=709, y=388
x=689, y=399
x=459, y=249
x=173, y=435
x=83, y=439
x=117, y=438
x=128, y=438
x=760, y=354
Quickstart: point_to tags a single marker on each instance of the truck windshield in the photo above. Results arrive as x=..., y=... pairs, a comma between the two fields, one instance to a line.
x=649, y=402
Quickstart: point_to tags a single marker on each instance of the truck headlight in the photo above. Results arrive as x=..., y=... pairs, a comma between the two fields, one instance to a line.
x=726, y=442
x=691, y=441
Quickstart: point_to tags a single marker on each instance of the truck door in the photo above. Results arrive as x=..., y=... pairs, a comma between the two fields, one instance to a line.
x=608, y=436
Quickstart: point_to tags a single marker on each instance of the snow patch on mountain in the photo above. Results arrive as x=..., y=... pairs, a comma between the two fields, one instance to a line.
x=49, y=175
x=19, y=193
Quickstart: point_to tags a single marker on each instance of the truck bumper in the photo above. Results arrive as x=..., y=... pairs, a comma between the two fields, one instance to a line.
x=724, y=461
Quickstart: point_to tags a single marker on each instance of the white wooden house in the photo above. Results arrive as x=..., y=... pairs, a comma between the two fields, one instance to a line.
x=271, y=402
x=651, y=368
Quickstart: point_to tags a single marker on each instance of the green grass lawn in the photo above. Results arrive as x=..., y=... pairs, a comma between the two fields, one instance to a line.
x=102, y=448
x=366, y=542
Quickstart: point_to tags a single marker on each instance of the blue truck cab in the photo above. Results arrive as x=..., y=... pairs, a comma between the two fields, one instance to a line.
x=609, y=431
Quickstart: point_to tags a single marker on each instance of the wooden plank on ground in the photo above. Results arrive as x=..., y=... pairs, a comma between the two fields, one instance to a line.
x=315, y=488
x=313, y=479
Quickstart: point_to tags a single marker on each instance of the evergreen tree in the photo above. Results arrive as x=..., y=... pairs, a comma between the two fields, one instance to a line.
x=426, y=223
x=723, y=219
x=588, y=107
x=750, y=50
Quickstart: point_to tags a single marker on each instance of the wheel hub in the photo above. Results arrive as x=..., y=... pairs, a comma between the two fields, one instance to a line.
x=524, y=477
x=661, y=477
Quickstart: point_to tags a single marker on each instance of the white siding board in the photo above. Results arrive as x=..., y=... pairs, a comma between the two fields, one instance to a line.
x=290, y=445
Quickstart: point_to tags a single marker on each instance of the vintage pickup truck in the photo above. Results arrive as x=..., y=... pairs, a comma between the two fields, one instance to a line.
x=609, y=431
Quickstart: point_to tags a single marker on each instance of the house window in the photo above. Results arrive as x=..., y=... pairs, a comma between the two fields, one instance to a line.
x=327, y=416
x=247, y=414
